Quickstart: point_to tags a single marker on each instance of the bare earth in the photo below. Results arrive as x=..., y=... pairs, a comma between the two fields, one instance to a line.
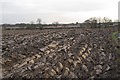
x=69, y=53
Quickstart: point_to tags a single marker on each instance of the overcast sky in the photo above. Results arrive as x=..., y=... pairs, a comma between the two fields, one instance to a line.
x=63, y=11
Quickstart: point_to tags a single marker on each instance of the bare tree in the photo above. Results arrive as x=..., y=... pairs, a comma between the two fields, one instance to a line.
x=31, y=26
x=98, y=22
x=55, y=23
x=92, y=22
x=106, y=21
x=38, y=21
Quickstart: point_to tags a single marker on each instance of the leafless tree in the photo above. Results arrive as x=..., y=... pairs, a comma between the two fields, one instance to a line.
x=38, y=21
x=92, y=22
x=96, y=22
x=55, y=23
x=106, y=21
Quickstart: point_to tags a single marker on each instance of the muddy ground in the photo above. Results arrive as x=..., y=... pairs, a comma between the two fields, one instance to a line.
x=62, y=53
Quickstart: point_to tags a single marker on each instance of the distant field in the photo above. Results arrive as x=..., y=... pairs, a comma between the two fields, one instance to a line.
x=59, y=53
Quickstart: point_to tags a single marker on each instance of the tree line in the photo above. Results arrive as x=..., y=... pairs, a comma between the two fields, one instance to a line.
x=92, y=22
x=99, y=22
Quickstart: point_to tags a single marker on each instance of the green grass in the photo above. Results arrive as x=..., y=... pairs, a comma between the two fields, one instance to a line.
x=117, y=43
x=114, y=35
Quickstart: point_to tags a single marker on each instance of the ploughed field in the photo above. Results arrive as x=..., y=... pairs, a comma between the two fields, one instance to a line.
x=69, y=53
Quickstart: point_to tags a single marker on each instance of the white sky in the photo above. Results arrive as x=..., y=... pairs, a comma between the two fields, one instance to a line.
x=63, y=11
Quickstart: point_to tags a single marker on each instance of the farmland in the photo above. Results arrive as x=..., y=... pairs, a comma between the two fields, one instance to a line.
x=59, y=53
